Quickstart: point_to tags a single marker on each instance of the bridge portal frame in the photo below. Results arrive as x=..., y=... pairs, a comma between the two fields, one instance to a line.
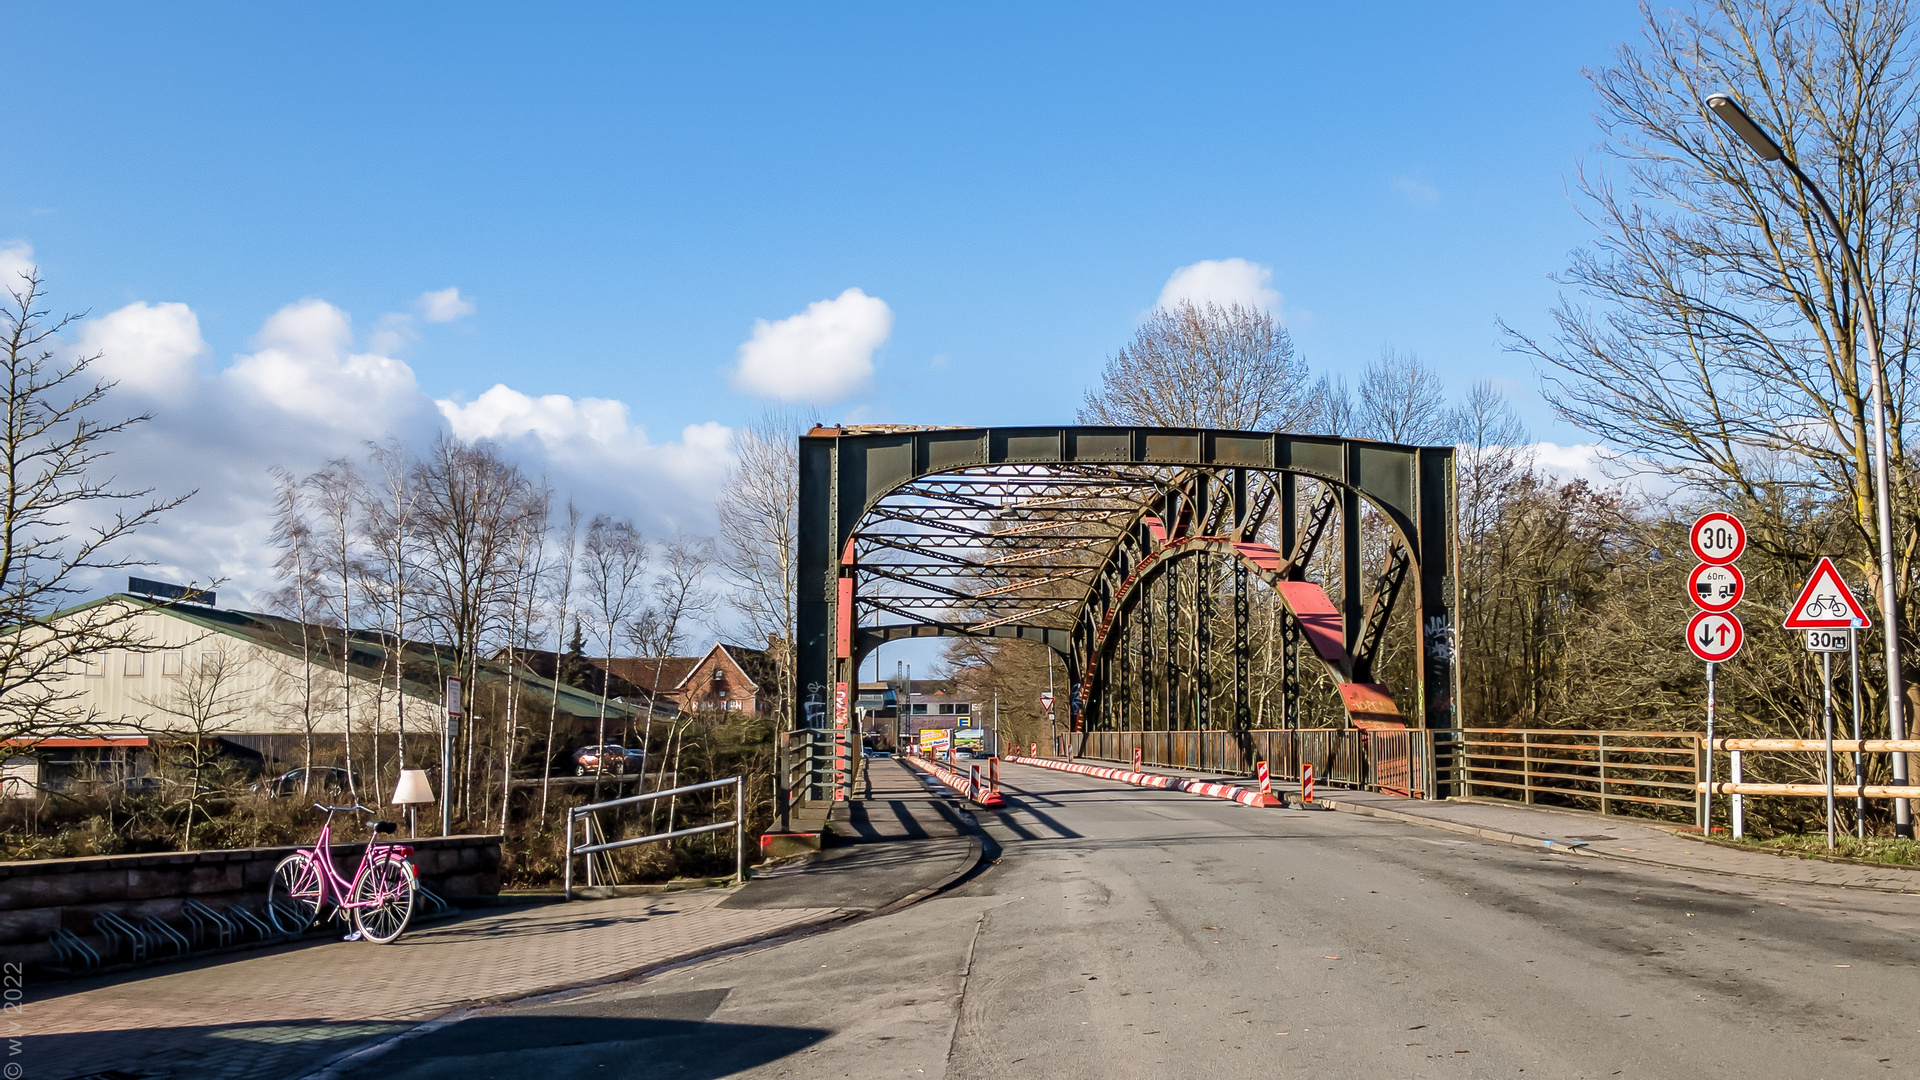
x=844, y=472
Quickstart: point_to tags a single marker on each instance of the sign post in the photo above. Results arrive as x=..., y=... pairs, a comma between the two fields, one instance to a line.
x=1714, y=634
x=1826, y=608
x=446, y=756
x=1859, y=764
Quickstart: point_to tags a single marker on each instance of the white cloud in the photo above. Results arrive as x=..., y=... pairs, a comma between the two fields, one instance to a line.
x=16, y=261
x=444, y=305
x=1416, y=191
x=305, y=367
x=823, y=354
x=1224, y=282
x=150, y=349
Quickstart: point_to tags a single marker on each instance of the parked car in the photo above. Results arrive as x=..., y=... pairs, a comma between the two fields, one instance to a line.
x=605, y=759
x=326, y=781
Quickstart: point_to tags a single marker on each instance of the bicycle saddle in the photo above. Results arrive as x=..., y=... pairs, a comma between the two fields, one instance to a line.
x=382, y=826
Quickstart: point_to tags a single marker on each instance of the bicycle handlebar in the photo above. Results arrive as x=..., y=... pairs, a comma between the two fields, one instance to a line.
x=333, y=809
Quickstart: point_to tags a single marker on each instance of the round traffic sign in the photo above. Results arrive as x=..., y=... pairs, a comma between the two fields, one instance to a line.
x=1718, y=538
x=1715, y=588
x=1714, y=636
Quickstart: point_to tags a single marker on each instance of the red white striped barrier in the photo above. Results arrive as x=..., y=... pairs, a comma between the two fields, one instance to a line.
x=1155, y=780
x=1136, y=757
x=1306, y=781
x=1266, y=778
x=987, y=795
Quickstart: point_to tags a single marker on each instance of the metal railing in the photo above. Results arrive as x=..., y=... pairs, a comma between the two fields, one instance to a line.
x=804, y=773
x=1644, y=773
x=580, y=814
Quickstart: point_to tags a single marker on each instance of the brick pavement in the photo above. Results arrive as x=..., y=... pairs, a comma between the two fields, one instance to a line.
x=288, y=1011
x=273, y=1014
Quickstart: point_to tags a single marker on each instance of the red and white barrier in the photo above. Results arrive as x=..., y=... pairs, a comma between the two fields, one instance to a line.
x=1306, y=781
x=1136, y=757
x=1266, y=778
x=1155, y=780
x=987, y=795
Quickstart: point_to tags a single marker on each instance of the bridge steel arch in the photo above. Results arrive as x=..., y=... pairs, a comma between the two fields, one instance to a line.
x=1061, y=535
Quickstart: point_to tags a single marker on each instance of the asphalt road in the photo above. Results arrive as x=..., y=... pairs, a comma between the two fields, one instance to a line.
x=1128, y=933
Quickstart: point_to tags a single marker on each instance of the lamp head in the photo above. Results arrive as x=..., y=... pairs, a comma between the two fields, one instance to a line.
x=413, y=788
x=1731, y=114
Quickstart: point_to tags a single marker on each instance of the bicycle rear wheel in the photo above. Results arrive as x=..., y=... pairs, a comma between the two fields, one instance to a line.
x=293, y=894
x=382, y=901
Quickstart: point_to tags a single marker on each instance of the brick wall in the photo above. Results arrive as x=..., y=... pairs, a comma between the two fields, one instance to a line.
x=38, y=896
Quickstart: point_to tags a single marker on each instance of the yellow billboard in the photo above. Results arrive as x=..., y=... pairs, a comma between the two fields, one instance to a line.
x=935, y=741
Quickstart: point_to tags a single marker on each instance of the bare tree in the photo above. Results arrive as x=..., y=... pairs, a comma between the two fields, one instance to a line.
x=1402, y=401
x=206, y=701
x=1717, y=336
x=562, y=594
x=614, y=564
x=527, y=568
x=1205, y=366
x=758, y=514
x=386, y=524
x=467, y=499
x=60, y=519
x=298, y=567
x=337, y=495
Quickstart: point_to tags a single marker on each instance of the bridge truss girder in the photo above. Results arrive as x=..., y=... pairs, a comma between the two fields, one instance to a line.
x=1088, y=538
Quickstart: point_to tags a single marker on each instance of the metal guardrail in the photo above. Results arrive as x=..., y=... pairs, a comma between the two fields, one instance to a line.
x=585, y=813
x=1583, y=768
x=804, y=772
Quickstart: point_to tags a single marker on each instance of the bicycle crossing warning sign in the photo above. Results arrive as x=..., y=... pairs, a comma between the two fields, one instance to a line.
x=1826, y=603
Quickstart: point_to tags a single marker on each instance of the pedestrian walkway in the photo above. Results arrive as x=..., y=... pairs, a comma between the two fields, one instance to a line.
x=288, y=1012
x=1578, y=833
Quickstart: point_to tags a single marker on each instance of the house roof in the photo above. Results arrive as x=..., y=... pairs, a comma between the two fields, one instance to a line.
x=424, y=666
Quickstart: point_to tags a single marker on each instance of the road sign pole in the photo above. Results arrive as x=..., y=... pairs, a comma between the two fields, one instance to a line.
x=1826, y=687
x=1859, y=776
x=1706, y=800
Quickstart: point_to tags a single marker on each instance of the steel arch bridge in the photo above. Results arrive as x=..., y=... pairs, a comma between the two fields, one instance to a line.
x=1118, y=548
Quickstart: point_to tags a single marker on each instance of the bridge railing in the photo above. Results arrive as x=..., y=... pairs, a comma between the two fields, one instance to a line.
x=1637, y=773
x=804, y=773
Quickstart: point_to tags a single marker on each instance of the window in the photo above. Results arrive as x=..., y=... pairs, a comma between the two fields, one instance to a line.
x=135, y=665
x=96, y=667
x=209, y=661
x=171, y=664
x=963, y=709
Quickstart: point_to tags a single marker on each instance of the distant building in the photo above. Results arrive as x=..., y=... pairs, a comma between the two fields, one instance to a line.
x=726, y=678
x=245, y=669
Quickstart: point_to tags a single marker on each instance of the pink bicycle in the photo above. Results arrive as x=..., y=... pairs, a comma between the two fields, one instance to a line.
x=379, y=899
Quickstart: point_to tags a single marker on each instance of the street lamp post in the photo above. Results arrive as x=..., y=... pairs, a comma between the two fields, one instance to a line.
x=1731, y=114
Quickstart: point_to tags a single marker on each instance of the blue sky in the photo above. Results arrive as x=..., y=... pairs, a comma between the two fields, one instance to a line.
x=618, y=193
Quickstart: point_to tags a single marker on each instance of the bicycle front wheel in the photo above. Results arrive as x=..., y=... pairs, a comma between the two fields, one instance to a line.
x=293, y=894
x=382, y=901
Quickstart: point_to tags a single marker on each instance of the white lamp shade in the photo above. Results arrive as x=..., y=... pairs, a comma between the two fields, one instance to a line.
x=413, y=788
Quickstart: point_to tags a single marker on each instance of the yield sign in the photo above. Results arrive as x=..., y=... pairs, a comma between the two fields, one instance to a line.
x=1826, y=603
x=1714, y=636
x=1046, y=700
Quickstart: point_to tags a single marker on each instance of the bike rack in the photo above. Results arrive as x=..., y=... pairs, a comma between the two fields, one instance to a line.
x=165, y=935
x=246, y=920
x=113, y=927
x=206, y=922
x=436, y=904
x=74, y=954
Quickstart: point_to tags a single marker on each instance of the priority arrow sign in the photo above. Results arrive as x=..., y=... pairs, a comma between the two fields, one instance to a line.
x=1714, y=636
x=1826, y=603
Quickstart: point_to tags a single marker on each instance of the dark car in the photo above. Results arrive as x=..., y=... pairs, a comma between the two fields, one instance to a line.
x=605, y=759
x=326, y=781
